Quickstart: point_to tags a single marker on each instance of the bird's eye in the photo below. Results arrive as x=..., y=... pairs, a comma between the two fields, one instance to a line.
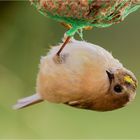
x=118, y=88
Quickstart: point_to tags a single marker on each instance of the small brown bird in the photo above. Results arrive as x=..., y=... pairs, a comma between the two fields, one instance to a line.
x=88, y=77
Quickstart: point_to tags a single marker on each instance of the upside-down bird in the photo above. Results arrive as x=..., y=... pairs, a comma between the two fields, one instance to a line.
x=88, y=77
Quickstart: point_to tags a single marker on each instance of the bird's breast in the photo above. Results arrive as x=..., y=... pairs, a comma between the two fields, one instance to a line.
x=75, y=80
x=81, y=75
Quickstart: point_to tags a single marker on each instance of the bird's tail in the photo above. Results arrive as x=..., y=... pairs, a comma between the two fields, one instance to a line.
x=22, y=103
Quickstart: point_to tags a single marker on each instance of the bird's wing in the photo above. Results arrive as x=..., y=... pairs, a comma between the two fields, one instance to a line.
x=85, y=104
x=22, y=103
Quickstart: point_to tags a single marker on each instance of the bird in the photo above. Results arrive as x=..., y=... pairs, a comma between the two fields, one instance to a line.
x=88, y=77
x=85, y=14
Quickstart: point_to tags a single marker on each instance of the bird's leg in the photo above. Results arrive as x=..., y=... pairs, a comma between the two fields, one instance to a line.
x=72, y=30
x=64, y=44
x=58, y=58
x=69, y=35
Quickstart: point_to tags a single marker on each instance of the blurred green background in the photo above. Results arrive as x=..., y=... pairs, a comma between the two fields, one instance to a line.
x=25, y=36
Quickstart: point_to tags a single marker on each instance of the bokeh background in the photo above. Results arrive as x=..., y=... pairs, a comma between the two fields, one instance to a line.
x=25, y=36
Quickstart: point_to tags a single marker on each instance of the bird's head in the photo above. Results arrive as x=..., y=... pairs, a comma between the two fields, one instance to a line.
x=122, y=88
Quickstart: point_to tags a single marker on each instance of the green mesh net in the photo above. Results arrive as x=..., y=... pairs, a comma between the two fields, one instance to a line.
x=82, y=13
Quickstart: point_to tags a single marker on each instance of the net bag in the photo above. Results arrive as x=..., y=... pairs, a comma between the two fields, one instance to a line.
x=82, y=13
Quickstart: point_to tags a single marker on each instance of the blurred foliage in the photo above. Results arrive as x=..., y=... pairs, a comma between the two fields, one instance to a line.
x=25, y=36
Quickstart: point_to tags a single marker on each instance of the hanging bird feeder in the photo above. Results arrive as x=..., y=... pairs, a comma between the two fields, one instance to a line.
x=79, y=14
